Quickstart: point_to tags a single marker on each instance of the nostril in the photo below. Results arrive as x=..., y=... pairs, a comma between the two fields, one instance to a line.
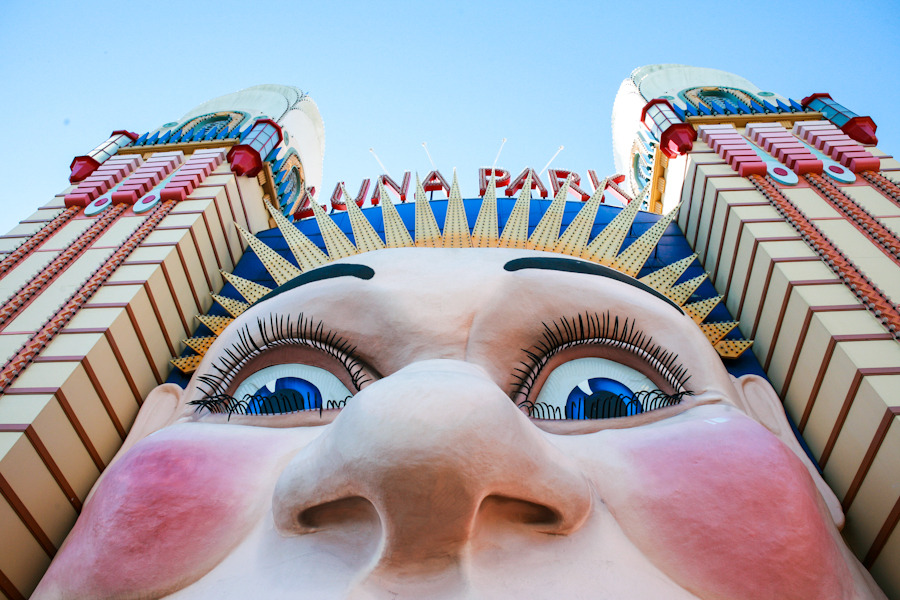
x=345, y=511
x=495, y=508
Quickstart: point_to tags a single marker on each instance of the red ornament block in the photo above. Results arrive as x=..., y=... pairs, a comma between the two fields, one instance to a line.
x=125, y=196
x=677, y=139
x=177, y=193
x=859, y=154
x=752, y=168
x=78, y=199
x=82, y=166
x=861, y=129
x=804, y=164
x=82, y=196
x=245, y=161
x=864, y=163
x=748, y=165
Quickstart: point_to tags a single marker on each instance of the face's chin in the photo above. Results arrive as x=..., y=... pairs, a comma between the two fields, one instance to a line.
x=433, y=481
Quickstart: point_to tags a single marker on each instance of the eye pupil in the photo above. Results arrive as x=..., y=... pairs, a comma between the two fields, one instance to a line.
x=601, y=398
x=290, y=394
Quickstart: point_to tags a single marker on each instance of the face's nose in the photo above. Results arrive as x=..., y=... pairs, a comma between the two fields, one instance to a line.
x=434, y=447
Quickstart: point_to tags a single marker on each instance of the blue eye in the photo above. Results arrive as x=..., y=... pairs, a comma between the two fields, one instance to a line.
x=597, y=388
x=287, y=388
x=289, y=394
x=601, y=398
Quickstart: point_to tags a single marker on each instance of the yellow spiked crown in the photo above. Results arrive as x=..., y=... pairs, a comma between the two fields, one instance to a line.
x=575, y=241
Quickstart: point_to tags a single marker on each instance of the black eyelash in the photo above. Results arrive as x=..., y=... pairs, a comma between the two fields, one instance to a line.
x=277, y=330
x=648, y=400
x=227, y=404
x=593, y=328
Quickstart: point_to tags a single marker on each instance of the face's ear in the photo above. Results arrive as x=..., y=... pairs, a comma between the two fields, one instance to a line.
x=758, y=399
x=161, y=408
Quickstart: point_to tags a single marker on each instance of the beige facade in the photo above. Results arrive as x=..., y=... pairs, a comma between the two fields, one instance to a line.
x=66, y=414
x=835, y=366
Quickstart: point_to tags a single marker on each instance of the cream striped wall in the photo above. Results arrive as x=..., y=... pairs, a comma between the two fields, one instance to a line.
x=836, y=367
x=64, y=417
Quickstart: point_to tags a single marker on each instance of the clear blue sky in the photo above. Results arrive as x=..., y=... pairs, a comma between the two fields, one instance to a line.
x=391, y=74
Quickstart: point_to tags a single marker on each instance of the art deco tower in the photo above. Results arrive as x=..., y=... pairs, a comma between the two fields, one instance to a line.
x=101, y=285
x=795, y=214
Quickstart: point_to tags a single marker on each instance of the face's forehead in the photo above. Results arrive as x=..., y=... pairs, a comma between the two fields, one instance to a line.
x=470, y=304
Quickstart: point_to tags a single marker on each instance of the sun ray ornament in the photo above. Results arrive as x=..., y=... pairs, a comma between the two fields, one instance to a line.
x=485, y=234
x=306, y=253
x=576, y=236
x=428, y=234
x=395, y=233
x=363, y=232
x=456, y=226
x=336, y=243
x=515, y=232
x=547, y=235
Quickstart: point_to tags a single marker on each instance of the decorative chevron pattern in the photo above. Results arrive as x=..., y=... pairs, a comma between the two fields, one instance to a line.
x=15, y=365
x=306, y=253
x=250, y=291
x=395, y=233
x=427, y=232
x=456, y=226
x=546, y=234
x=575, y=240
x=485, y=234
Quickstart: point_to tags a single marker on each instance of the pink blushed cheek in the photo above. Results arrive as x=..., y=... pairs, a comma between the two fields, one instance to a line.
x=169, y=511
x=726, y=510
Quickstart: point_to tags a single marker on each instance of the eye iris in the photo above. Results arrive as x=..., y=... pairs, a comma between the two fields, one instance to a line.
x=288, y=394
x=601, y=398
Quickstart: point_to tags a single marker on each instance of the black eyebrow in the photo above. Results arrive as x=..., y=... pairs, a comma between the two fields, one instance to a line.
x=327, y=272
x=568, y=265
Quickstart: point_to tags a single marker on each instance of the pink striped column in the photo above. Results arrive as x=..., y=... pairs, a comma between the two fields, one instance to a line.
x=731, y=146
x=838, y=145
x=781, y=143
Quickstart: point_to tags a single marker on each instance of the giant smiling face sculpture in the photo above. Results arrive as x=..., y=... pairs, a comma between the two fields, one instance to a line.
x=423, y=469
